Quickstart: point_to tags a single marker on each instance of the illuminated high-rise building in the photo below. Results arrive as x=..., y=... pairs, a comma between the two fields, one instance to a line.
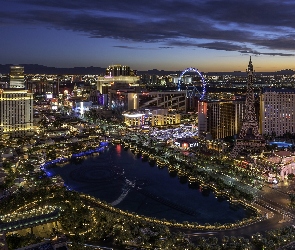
x=17, y=79
x=119, y=70
x=16, y=112
x=117, y=77
x=220, y=118
x=277, y=112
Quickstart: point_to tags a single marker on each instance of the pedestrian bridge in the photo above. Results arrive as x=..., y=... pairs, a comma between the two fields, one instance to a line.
x=29, y=222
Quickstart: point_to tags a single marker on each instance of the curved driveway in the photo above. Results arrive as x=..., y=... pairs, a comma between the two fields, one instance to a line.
x=273, y=201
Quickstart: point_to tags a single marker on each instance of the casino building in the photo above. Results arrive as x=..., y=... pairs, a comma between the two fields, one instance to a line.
x=144, y=119
x=220, y=118
x=277, y=111
x=16, y=112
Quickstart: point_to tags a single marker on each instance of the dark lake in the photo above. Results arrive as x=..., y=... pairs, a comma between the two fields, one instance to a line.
x=126, y=181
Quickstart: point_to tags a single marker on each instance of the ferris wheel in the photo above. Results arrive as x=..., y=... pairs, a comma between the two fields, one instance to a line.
x=192, y=90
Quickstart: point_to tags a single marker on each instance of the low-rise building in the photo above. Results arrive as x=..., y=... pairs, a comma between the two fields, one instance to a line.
x=284, y=162
x=151, y=118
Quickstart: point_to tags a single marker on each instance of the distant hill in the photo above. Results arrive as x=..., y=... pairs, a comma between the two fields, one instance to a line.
x=158, y=72
x=40, y=69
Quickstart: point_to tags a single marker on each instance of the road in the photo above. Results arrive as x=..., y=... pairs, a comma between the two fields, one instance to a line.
x=273, y=201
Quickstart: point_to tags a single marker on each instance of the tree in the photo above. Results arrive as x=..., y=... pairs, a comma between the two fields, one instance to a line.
x=7, y=165
x=14, y=241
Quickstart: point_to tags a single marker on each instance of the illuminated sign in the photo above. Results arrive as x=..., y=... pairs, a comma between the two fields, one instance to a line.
x=49, y=95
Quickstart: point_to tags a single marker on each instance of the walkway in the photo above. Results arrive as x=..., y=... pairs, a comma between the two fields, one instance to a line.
x=29, y=222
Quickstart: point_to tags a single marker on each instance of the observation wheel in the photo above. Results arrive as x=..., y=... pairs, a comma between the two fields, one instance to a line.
x=195, y=90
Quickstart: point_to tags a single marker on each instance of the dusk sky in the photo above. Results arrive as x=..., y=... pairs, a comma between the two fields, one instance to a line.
x=210, y=35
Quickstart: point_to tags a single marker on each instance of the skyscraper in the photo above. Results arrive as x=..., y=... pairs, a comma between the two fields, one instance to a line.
x=17, y=77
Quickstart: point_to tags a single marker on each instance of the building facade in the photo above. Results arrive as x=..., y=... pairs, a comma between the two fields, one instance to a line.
x=16, y=112
x=277, y=111
x=116, y=82
x=17, y=79
x=129, y=99
x=173, y=100
x=116, y=77
x=43, y=87
x=150, y=118
x=119, y=70
x=220, y=118
x=284, y=162
x=108, y=85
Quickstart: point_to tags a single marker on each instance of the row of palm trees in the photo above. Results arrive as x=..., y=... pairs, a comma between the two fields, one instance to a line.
x=197, y=167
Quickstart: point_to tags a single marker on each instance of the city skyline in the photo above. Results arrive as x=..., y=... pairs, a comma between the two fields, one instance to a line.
x=167, y=35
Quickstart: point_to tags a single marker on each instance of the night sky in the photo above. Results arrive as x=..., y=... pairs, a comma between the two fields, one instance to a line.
x=209, y=35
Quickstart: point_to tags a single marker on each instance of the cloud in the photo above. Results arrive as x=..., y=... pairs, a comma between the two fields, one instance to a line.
x=212, y=24
x=132, y=47
x=267, y=53
x=227, y=46
x=124, y=47
x=268, y=13
x=281, y=43
x=240, y=48
x=223, y=46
